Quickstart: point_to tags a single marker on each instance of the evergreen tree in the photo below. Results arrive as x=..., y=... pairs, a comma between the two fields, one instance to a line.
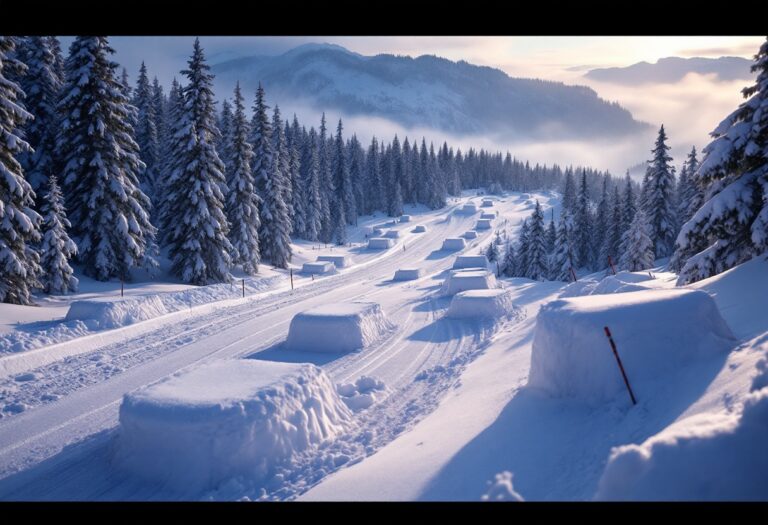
x=242, y=201
x=659, y=198
x=146, y=133
x=275, y=230
x=57, y=248
x=395, y=181
x=174, y=152
x=326, y=186
x=282, y=161
x=551, y=234
x=569, y=192
x=311, y=167
x=637, y=246
x=628, y=204
x=200, y=250
x=537, y=268
x=108, y=210
x=344, y=200
x=356, y=171
x=58, y=57
x=19, y=224
x=439, y=193
x=521, y=261
x=562, y=261
x=223, y=146
x=492, y=252
x=159, y=104
x=374, y=186
x=692, y=192
x=611, y=246
x=298, y=183
x=582, y=231
x=732, y=225
x=41, y=84
x=600, y=228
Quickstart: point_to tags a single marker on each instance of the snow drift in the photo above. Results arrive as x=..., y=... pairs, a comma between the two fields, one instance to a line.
x=407, y=274
x=462, y=280
x=470, y=261
x=656, y=331
x=363, y=393
x=380, y=243
x=454, y=243
x=340, y=261
x=318, y=268
x=490, y=304
x=338, y=327
x=196, y=428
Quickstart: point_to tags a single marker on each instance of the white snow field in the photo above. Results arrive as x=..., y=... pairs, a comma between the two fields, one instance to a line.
x=454, y=243
x=419, y=229
x=487, y=304
x=657, y=332
x=232, y=417
x=380, y=243
x=318, y=268
x=470, y=261
x=407, y=274
x=470, y=279
x=471, y=234
x=340, y=261
x=483, y=224
x=338, y=327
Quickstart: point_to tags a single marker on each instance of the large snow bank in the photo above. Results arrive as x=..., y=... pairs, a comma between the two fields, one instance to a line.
x=340, y=261
x=419, y=229
x=199, y=427
x=454, y=243
x=462, y=280
x=483, y=224
x=318, y=268
x=471, y=234
x=656, y=332
x=338, y=327
x=704, y=457
x=392, y=234
x=407, y=274
x=470, y=261
x=379, y=243
x=493, y=304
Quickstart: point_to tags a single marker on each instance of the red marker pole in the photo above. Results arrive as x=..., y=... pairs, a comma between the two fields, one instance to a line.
x=621, y=366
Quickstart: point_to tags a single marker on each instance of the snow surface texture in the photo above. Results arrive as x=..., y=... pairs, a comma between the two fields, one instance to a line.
x=318, y=268
x=405, y=218
x=380, y=243
x=470, y=261
x=490, y=304
x=227, y=418
x=621, y=282
x=338, y=327
x=501, y=489
x=656, y=332
x=419, y=229
x=340, y=261
x=462, y=280
x=471, y=234
x=483, y=224
x=363, y=393
x=392, y=234
x=454, y=243
x=407, y=274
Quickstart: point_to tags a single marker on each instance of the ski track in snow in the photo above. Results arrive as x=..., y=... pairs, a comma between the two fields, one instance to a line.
x=59, y=445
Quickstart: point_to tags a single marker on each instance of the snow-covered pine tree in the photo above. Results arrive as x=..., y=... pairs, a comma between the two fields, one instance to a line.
x=600, y=228
x=406, y=180
x=57, y=248
x=492, y=252
x=569, y=192
x=537, y=268
x=19, y=223
x=159, y=103
x=310, y=166
x=659, y=194
x=611, y=246
x=692, y=192
x=439, y=193
x=562, y=260
x=522, y=250
x=298, y=184
x=146, y=133
x=356, y=170
x=732, y=225
x=342, y=182
x=242, y=206
x=283, y=162
x=326, y=183
x=413, y=193
x=582, y=230
x=199, y=248
x=551, y=233
x=226, y=137
x=41, y=84
x=628, y=204
x=108, y=210
x=637, y=246
x=275, y=231
x=394, y=180
x=174, y=152
x=58, y=57
x=374, y=187
x=125, y=84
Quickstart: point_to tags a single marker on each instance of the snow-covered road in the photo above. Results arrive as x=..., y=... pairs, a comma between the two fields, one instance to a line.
x=60, y=446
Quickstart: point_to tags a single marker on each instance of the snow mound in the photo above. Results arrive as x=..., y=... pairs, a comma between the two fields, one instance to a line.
x=470, y=261
x=469, y=208
x=198, y=427
x=380, y=243
x=338, y=327
x=407, y=274
x=340, y=261
x=462, y=280
x=363, y=393
x=620, y=283
x=703, y=457
x=454, y=243
x=487, y=203
x=392, y=234
x=483, y=224
x=419, y=229
x=494, y=304
x=405, y=218
x=471, y=234
x=486, y=215
x=318, y=268
x=656, y=332
x=501, y=489
x=377, y=232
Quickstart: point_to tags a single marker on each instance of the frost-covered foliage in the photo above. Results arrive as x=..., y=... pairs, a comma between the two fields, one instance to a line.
x=537, y=251
x=19, y=224
x=731, y=226
x=146, y=133
x=637, y=246
x=658, y=200
x=57, y=249
x=561, y=261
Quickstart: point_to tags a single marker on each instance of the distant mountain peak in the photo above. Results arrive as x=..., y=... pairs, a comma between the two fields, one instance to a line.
x=672, y=69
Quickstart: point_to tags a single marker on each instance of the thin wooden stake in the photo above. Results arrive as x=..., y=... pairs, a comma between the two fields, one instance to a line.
x=621, y=366
x=122, y=288
x=291, y=278
x=573, y=274
x=610, y=261
x=243, y=288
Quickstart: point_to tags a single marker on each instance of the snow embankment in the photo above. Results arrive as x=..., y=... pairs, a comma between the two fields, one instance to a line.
x=338, y=327
x=454, y=243
x=656, y=332
x=463, y=280
x=318, y=268
x=703, y=457
x=199, y=427
x=380, y=243
x=488, y=304
x=407, y=274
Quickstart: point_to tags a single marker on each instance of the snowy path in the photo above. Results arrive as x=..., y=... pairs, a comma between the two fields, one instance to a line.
x=90, y=386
